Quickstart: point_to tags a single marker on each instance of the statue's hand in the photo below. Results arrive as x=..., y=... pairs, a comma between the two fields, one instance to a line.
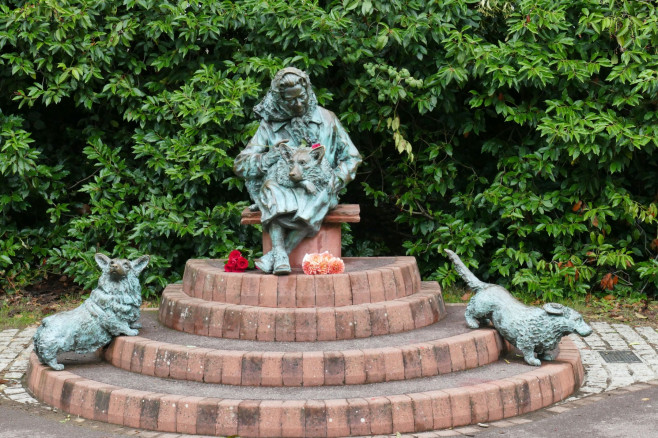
x=268, y=159
x=310, y=187
x=272, y=155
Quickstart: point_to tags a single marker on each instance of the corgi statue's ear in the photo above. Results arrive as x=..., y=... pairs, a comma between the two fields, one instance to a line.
x=285, y=151
x=102, y=260
x=139, y=264
x=317, y=153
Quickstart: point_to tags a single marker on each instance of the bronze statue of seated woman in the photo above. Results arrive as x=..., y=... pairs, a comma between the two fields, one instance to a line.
x=295, y=165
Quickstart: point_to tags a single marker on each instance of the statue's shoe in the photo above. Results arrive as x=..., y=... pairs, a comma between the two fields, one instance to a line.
x=265, y=263
x=253, y=207
x=281, y=263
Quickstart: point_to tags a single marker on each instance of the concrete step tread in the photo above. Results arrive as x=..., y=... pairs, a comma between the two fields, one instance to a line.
x=452, y=324
x=93, y=368
x=159, y=351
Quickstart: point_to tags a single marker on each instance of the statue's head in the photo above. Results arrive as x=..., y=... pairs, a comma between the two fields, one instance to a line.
x=293, y=92
x=290, y=95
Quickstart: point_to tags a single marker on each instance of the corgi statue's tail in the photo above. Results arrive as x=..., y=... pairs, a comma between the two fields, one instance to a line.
x=471, y=280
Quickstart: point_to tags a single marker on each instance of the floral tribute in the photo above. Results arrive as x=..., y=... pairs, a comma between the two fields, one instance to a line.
x=320, y=264
x=236, y=263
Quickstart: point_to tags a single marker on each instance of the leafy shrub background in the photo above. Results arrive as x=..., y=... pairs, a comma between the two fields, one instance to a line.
x=520, y=134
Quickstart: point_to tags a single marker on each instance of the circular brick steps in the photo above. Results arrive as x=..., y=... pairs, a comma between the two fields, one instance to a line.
x=371, y=351
x=366, y=280
x=503, y=389
x=170, y=354
x=238, y=321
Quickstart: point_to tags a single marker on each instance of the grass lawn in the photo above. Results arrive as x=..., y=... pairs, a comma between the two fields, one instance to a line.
x=616, y=310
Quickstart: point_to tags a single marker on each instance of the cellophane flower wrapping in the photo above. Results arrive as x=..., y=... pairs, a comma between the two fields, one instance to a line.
x=322, y=264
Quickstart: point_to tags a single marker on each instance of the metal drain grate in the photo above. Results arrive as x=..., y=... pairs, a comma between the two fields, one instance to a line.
x=619, y=356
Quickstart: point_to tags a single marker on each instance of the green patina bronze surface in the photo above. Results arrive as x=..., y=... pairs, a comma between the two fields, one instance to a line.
x=295, y=165
x=533, y=330
x=112, y=309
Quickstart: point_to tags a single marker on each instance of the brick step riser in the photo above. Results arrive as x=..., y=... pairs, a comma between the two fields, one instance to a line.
x=206, y=279
x=235, y=321
x=406, y=413
x=312, y=368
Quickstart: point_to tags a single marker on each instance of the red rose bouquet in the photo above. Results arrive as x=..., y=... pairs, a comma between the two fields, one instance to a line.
x=236, y=263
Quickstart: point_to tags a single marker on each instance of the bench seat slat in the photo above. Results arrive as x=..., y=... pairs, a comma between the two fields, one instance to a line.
x=342, y=213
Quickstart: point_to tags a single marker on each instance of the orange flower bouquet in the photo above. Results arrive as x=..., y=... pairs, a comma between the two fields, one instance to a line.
x=321, y=264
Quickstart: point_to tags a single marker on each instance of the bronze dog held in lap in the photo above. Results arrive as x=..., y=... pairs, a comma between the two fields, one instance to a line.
x=530, y=329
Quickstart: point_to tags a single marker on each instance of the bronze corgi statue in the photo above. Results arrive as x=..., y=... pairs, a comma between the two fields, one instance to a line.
x=530, y=329
x=111, y=310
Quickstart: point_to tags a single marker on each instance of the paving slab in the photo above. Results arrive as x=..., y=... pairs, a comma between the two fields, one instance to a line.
x=21, y=421
x=629, y=415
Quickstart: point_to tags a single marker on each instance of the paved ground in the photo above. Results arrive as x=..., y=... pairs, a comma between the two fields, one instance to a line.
x=616, y=400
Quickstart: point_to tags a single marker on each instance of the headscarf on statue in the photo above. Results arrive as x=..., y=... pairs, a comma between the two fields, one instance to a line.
x=270, y=109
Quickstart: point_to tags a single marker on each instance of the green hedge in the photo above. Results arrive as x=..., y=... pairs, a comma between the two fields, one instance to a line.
x=520, y=134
